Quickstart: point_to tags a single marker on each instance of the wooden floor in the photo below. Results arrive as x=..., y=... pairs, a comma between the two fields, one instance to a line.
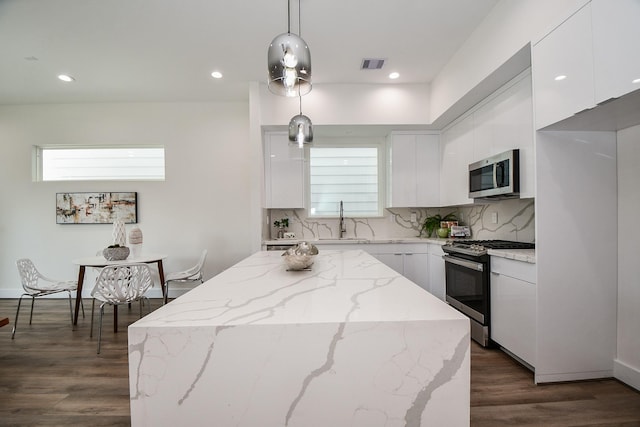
x=51, y=376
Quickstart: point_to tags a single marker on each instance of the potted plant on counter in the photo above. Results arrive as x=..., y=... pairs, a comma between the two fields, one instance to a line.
x=432, y=223
x=281, y=225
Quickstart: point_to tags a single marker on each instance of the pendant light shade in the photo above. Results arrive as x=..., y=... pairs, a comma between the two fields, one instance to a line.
x=289, y=62
x=300, y=130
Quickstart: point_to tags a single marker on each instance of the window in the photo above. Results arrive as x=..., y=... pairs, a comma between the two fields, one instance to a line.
x=347, y=174
x=99, y=163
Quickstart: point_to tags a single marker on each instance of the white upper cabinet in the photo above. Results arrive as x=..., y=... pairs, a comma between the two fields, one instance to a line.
x=414, y=170
x=511, y=123
x=456, y=154
x=616, y=33
x=284, y=175
x=501, y=122
x=596, y=50
x=563, y=70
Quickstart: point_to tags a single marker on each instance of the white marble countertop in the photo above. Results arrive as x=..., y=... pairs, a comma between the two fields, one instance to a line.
x=525, y=255
x=260, y=290
x=355, y=240
x=348, y=343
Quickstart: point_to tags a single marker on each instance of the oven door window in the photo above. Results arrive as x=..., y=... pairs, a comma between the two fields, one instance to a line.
x=469, y=288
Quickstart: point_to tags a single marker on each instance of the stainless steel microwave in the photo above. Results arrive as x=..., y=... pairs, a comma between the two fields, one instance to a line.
x=496, y=177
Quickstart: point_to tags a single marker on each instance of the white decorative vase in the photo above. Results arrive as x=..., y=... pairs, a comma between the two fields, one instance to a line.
x=135, y=241
x=119, y=233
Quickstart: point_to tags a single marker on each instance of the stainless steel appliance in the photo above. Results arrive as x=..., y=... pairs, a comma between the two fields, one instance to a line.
x=467, y=280
x=496, y=177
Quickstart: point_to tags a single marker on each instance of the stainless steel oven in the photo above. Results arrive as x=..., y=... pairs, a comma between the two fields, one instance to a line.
x=467, y=281
x=467, y=290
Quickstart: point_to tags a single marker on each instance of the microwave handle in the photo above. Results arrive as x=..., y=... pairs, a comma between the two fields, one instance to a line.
x=496, y=183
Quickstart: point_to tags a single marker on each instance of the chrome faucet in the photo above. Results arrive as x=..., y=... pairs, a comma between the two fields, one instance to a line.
x=343, y=227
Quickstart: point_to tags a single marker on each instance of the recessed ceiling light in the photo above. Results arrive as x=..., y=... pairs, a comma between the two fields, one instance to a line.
x=560, y=77
x=394, y=75
x=216, y=75
x=66, y=78
x=635, y=81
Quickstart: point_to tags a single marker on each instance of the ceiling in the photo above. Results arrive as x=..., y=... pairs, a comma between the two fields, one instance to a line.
x=165, y=50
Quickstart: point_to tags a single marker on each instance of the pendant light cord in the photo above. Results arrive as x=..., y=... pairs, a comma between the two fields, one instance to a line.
x=299, y=21
x=289, y=16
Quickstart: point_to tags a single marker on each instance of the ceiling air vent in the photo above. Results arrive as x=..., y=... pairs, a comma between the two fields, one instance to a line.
x=372, y=64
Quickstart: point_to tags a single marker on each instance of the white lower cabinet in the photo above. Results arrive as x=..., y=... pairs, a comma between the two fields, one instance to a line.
x=410, y=260
x=436, y=271
x=513, y=307
x=416, y=268
x=392, y=260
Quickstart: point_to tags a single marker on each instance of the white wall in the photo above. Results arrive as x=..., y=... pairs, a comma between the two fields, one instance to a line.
x=350, y=104
x=205, y=201
x=510, y=26
x=576, y=255
x=627, y=363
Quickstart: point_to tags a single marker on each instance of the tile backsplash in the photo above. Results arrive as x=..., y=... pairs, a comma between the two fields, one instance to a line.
x=514, y=220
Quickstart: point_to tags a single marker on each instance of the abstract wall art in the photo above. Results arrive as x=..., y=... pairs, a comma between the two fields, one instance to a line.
x=96, y=208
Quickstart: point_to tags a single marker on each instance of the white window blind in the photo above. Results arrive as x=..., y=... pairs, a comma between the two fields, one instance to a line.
x=96, y=163
x=347, y=174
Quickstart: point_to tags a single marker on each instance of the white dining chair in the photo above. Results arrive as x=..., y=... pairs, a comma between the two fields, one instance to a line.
x=190, y=275
x=35, y=285
x=120, y=284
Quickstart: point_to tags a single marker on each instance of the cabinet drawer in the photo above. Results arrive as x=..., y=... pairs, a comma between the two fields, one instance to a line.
x=517, y=269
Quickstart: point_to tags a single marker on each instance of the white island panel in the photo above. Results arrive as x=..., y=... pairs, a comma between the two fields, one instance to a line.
x=350, y=342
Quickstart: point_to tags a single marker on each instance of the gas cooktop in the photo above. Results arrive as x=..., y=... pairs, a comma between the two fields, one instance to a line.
x=479, y=247
x=496, y=244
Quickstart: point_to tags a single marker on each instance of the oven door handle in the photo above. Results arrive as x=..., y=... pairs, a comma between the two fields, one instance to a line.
x=478, y=266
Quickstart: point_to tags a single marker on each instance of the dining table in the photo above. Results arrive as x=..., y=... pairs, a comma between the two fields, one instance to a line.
x=100, y=261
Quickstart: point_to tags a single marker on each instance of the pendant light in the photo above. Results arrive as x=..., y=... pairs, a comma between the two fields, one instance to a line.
x=300, y=128
x=289, y=62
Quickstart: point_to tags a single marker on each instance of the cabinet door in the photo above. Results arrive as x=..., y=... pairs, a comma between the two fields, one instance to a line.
x=392, y=260
x=616, y=32
x=567, y=51
x=414, y=170
x=436, y=272
x=402, y=177
x=427, y=157
x=513, y=315
x=513, y=121
x=284, y=172
x=416, y=269
x=455, y=156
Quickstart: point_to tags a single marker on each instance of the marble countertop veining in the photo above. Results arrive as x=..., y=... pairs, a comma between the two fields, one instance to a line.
x=525, y=255
x=355, y=240
x=350, y=342
x=260, y=290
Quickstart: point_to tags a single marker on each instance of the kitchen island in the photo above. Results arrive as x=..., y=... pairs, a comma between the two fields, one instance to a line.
x=348, y=343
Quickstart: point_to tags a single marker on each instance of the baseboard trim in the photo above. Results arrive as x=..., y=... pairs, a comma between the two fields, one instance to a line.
x=626, y=373
x=571, y=376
